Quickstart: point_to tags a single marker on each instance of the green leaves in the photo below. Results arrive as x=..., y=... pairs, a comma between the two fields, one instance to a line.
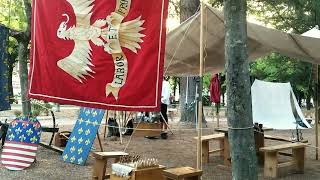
x=12, y=14
x=278, y=68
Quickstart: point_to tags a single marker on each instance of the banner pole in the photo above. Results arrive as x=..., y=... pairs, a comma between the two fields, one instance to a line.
x=316, y=107
x=199, y=147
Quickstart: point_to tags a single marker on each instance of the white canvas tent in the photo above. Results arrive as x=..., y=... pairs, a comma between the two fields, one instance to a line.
x=274, y=105
x=182, y=47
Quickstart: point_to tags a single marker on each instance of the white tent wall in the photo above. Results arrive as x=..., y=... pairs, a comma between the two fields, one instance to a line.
x=274, y=105
x=182, y=46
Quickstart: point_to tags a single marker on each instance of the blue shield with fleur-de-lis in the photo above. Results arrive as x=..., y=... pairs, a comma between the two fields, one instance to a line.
x=82, y=136
x=21, y=144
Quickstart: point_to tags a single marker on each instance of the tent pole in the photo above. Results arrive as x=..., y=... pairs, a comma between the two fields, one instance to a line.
x=316, y=109
x=199, y=146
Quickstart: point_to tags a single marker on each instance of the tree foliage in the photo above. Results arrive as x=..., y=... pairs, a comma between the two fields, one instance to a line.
x=12, y=14
x=295, y=16
x=278, y=68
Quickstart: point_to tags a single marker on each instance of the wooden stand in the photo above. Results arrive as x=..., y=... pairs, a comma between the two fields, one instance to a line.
x=259, y=142
x=187, y=173
x=146, y=129
x=100, y=164
x=271, y=165
x=154, y=173
x=205, y=145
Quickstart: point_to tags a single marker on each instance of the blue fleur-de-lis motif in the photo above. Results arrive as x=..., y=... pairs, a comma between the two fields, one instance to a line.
x=18, y=130
x=80, y=131
x=72, y=149
x=73, y=138
x=22, y=138
x=87, y=132
x=80, y=121
x=29, y=131
x=80, y=140
x=72, y=159
x=88, y=122
x=65, y=157
x=94, y=114
x=87, y=142
x=95, y=123
x=80, y=150
x=80, y=161
x=34, y=139
x=11, y=137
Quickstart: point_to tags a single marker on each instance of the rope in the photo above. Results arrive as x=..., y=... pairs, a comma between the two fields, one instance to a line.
x=183, y=129
x=244, y=128
x=134, y=129
x=183, y=37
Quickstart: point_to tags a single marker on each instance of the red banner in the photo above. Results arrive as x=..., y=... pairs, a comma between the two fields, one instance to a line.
x=215, y=89
x=97, y=53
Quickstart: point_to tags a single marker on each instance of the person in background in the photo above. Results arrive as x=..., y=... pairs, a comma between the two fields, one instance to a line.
x=165, y=101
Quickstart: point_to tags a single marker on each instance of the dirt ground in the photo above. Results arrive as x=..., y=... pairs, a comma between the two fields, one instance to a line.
x=178, y=150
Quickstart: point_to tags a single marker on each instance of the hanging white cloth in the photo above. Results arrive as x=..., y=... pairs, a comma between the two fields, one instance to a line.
x=274, y=105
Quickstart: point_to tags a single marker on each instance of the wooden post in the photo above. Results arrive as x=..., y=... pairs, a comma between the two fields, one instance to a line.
x=218, y=114
x=199, y=148
x=120, y=125
x=105, y=126
x=270, y=165
x=316, y=108
x=100, y=144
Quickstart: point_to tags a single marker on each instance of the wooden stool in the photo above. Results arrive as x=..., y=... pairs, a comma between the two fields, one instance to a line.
x=100, y=164
x=205, y=145
x=187, y=173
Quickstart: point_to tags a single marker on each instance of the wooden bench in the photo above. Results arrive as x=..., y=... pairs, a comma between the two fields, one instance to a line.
x=187, y=173
x=100, y=164
x=205, y=145
x=271, y=164
x=278, y=138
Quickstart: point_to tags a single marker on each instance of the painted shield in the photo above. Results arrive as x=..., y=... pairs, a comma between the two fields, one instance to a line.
x=21, y=143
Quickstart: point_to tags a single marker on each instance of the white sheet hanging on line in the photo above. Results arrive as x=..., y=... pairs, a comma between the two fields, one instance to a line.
x=274, y=105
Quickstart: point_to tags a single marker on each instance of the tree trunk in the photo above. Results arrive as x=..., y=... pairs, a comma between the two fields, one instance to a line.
x=23, y=74
x=188, y=84
x=187, y=99
x=10, y=85
x=308, y=101
x=241, y=136
x=23, y=63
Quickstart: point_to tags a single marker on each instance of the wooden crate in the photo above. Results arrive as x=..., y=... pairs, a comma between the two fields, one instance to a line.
x=154, y=173
x=147, y=129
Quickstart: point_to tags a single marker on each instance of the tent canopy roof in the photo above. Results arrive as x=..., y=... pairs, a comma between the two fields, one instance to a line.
x=182, y=46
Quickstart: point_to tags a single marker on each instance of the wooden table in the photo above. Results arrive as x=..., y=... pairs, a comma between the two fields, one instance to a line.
x=152, y=173
x=100, y=164
x=187, y=173
x=259, y=142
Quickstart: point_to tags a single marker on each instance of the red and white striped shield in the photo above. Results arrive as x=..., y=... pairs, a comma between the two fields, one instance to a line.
x=21, y=144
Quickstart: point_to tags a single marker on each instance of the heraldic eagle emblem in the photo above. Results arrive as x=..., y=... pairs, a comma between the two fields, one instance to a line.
x=102, y=32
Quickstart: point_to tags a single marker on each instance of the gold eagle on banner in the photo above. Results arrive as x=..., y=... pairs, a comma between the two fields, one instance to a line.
x=78, y=63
